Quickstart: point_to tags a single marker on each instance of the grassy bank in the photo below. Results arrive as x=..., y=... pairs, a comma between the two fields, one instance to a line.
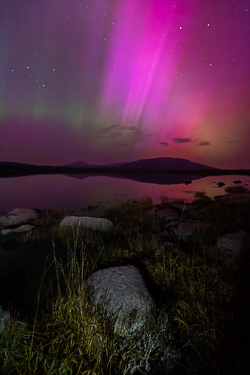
x=196, y=327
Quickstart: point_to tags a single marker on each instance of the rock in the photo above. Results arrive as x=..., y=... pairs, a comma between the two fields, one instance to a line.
x=220, y=184
x=182, y=206
x=94, y=223
x=165, y=234
x=4, y=315
x=14, y=234
x=234, y=243
x=233, y=198
x=173, y=223
x=18, y=216
x=188, y=227
x=169, y=213
x=123, y=294
x=167, y=245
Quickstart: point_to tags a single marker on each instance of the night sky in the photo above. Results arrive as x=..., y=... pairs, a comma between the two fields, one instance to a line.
x=106, y=81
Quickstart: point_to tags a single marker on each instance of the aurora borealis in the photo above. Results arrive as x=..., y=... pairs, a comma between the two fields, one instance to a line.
x=106, y=81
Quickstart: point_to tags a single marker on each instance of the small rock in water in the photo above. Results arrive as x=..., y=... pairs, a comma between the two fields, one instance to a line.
x=220, y=184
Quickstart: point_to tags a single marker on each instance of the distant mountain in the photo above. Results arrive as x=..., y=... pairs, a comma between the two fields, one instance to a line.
x=82, y=164
x=12, y=164
x=157, y=167
x=167, y=164
x=77, y=164
x=149, y=165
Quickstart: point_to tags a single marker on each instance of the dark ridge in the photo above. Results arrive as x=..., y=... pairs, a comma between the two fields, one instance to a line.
x=143, y=166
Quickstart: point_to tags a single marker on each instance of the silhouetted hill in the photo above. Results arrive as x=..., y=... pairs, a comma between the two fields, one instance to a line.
x=77, y=164
x=144, y=167
x=82, y=164
x=168, y=164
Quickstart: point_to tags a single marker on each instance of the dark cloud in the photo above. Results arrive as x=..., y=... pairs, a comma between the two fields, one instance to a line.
x=115, y=134
x=110, y=128
x=117, y=130
x=130, y=128
x=164, y=144
x=139, y=134
x=181, y=140
x=203, y=143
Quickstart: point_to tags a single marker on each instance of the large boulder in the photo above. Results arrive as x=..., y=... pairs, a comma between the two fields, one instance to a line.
x=189, y=227
x=94, y=223
x=122, y=293
x=18, y=216
x=234, y=243
x=234, y=198
x=182, y=206
x=169, y=213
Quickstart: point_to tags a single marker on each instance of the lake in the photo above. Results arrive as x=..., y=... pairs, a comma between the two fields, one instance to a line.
x=73, y=194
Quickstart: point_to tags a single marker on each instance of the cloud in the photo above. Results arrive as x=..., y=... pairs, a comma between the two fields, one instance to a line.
x=124, y=133
x=130, y=128
x=122, y=144
x=203, y=143
x=164, y=144
x=231, y=141
x=98, y=137
x=139, y=134
x=110, y=128
x=181, y=140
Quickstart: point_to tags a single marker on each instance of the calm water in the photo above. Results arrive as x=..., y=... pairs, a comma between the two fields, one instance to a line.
x=73, y=195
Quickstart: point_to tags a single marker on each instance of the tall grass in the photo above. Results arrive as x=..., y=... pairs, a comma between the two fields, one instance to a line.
x=193, y=286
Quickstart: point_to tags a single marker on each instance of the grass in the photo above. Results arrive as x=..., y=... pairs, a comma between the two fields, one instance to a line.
x=194, y=326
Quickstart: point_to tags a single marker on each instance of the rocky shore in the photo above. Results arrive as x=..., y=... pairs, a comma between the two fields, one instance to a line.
x=121, y=288
x=177, y=218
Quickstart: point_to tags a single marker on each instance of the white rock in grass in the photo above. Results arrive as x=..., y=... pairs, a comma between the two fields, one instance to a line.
x=122, y=293
x=18, y=216
x=94, y=223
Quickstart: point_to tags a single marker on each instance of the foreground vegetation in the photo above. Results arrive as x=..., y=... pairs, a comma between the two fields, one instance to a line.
x=195, y=328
